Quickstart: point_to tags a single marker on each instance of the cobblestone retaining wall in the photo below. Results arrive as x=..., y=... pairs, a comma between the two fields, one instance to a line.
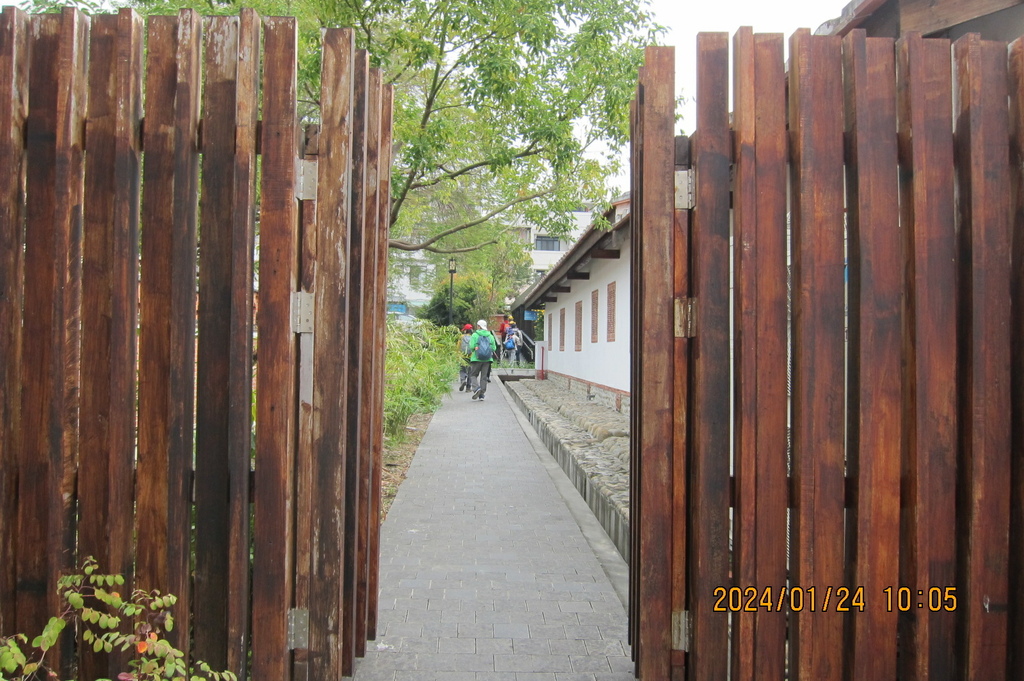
x=590, y=441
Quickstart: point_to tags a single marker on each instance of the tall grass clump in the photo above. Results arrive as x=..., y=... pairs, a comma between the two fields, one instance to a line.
x=421, y=363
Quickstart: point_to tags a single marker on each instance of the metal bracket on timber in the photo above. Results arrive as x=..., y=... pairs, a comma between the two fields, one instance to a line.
x=302, y=312
x=298, y=629
x=685, y=190
x=681, y=630
x=305, y=179
x=686, y=317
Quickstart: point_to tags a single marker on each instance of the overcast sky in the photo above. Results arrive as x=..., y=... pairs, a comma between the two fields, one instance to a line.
x=685, y=18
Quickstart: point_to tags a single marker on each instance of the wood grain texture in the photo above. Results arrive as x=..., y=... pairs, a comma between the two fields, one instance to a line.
x=50, y=363
x=379, y=352
x=928, y=541
x=14, y=61
x=710, y=460
x=110, y=303
x=354, y=462
x=224, y=363
x=1015, y=633
x=982, y=160
x=276, y=403
x=168, y=305
x=876, y=276
x=759, y=203
x=657, y=109
x=330, y=357
x=816, y=130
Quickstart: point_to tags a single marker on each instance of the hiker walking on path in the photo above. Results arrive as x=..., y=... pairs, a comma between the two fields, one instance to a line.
x=483, y=344
x=465, y=352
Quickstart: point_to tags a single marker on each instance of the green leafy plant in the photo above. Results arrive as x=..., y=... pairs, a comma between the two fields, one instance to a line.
x=92, y=603
x=421, y=364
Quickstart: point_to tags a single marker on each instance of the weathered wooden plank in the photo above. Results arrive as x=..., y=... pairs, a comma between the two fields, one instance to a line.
x=745, y=338
x=710, y=459
x=874, y=431
x=657, y=109
x=982, y=158
x=761, y=354
x=1015, y=635
x=168, y=304
x=330, y=357
x=51, y=362
x=929, y=16
x=366, y=351
x=928, y=546
x=14, y=61
x=354, y=457
x=110, y=304
x=680, y=397
x=816, y=129
x=224, y=363
x=379, y=347
x=276, y=415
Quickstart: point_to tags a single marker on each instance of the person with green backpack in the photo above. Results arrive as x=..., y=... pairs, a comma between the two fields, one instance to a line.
x=483, y=345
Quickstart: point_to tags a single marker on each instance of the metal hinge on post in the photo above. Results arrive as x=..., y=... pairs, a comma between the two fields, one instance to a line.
x=305, y=180
x=686, y=317
x=298, y=629
x=302, y=312
x=685, y=193
x=681, y=630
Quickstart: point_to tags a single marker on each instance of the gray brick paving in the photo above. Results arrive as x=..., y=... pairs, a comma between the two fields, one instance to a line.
x=491, y=568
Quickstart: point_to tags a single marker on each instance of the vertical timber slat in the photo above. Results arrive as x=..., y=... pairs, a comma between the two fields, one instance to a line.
x=760, y=254
x=168, y=304
x=379, y=355
x=816, y=129
x=330, y=357
x=353, y=455
x=14, y=59
x=51, y=362
x=710, y=461
x=874, y=431
x=363, y=327
x=276, y=417
x=982, y=161
x=110, y=302
x=655, y=309
x=224, y=363
x=1015, y=634
x=928, y=548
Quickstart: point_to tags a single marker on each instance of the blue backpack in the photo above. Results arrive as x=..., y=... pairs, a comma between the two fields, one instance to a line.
x=484, y=351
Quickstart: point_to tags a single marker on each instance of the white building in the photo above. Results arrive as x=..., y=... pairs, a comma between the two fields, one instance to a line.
x=585, y=297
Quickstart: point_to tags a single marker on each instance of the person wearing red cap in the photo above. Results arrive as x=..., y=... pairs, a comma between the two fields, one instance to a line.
x=464, y=350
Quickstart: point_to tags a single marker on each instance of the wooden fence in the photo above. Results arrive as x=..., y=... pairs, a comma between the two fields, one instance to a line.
x=131, y=359
x=829, y=411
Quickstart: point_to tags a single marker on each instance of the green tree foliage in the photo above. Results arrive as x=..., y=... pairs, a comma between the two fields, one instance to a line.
x=420, y=365
x=502, y=107
x=483, y=289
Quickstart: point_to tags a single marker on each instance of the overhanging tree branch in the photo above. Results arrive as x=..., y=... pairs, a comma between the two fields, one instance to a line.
x=428, y=244
x=452, y=174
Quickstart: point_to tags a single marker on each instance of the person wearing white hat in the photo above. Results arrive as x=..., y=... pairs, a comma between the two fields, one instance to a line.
x=483, y=345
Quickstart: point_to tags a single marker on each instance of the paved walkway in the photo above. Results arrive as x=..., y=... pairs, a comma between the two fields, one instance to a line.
x=492, y=566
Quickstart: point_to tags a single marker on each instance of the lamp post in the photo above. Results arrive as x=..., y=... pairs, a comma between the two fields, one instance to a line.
x=451, y=288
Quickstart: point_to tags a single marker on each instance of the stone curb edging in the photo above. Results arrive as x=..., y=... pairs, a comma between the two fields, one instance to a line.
x=567, y=443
